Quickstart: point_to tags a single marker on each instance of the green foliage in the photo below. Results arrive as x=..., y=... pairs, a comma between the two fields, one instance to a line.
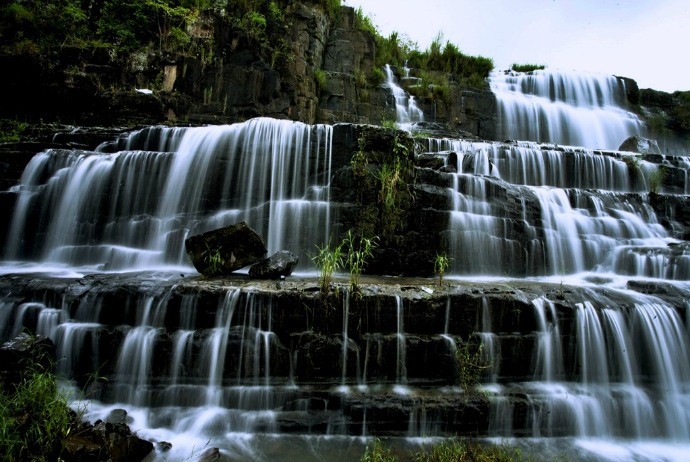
x=358, y=251
x=527, y=67
x=364, y=22
x=214, y=260
x=464, y=451
x=394, y=193
x=389, y=122
x=328, y=260
x=321, y=79
x=470, y=366
x=471, y=70
x=450, y=450
x=34, y=419
x=332, y=8
x=12, y=130
x=393, y=50
x=359, y=162
x=377, y=452
x=656, y=179
x=441, y=264
x=376, y=77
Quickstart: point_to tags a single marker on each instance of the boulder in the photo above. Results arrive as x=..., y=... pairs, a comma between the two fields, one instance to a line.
x=641, y=145
x=224, y=250
x=281, y=263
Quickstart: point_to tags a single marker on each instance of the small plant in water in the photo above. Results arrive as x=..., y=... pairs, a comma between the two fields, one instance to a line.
x=328, y=260
x=377, y=452
x=358, y=251
x=440, y=266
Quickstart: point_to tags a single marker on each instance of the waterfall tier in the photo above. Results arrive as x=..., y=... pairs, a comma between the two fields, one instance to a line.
x=569, y=108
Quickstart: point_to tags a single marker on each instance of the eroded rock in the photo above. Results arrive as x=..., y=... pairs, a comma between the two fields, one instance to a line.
x=640, y=145
x=225, y=250
x=280, y=264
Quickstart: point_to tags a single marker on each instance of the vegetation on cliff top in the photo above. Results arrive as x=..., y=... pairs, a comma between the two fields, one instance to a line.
x=39, y=27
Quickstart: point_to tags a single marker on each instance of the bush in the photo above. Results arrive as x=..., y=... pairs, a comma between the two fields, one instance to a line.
x=527, y=67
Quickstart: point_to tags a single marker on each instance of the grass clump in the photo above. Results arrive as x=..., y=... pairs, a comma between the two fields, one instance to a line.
x=377, y=452
x=452, y=450
x=328, y=260
x=358, y=251
x=34, y=419
x=464, y=451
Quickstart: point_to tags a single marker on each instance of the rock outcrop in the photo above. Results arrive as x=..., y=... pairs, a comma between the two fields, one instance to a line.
x=278, y=265
x=640, y=145
x=224, y=250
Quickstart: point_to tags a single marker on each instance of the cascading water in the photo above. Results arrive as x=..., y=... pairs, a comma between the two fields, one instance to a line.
x=134, y=208
x=273, y=371
x=406, y=110
x=571, y=108
x=556, y=224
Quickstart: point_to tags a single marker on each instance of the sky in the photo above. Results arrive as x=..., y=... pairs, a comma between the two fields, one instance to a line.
x=646, y=40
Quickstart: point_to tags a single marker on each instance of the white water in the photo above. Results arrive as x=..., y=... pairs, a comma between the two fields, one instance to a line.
x=406, y=110
x=576, y=229
x=571, y=108
x=134, y=209
x=612, y=381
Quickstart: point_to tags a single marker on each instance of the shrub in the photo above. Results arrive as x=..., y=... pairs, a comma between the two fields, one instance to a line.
x=527, y=67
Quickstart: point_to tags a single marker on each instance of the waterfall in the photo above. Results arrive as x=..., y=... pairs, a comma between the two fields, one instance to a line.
x=133, y=209
x=586, y=222
x=570, y=108
x=264, y=370
x=406, y=110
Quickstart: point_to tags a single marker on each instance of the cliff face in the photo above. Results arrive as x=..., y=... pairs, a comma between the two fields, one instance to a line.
x=322, y=69
x=320, y=73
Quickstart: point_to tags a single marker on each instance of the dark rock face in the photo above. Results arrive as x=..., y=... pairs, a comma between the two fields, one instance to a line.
x=23, y=354
x=307, y=344
x=640, y=145
x=225, y=250
x=280, y=264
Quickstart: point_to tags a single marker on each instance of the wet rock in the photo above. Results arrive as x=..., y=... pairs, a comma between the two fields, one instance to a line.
x=280, y=264
x=208, y=455
x=225, y=250
x=164, y=446
x=25, y=353
x=641, y=145
x=118, y=416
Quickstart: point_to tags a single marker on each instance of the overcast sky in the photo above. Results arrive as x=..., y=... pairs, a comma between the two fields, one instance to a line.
x=647, y=40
